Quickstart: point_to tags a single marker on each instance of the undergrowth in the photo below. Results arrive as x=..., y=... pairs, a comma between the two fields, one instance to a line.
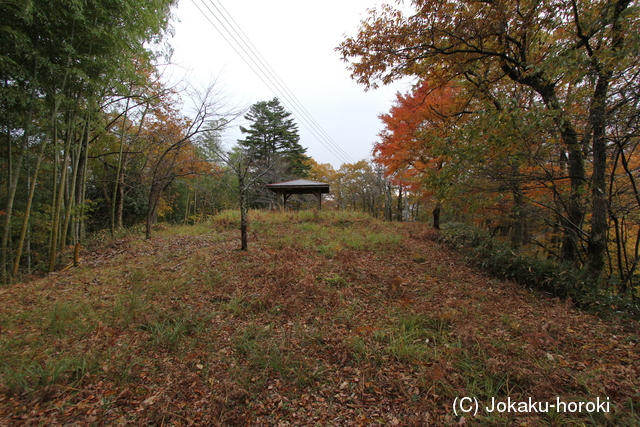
x=555, y=278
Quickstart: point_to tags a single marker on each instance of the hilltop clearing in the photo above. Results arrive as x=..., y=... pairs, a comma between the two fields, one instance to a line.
x=329, y=319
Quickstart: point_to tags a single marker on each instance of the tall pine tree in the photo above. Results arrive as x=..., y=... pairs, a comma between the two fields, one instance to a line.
x=273, y=137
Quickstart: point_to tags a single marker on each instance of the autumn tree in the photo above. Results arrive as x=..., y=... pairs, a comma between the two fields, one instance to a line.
x=624, y=194
x=568, y=55
x=321, y=172
x=361, y=186
x=170, y=138
x=417, y=140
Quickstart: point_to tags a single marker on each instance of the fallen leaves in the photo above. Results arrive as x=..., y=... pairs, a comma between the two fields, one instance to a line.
x=186, y=330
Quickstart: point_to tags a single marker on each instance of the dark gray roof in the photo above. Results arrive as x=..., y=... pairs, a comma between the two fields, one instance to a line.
x=299, y=186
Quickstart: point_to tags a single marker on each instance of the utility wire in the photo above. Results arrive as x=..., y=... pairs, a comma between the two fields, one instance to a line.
x=268, y=76
x=282, y=84
x=276, y=83
x=281, y=87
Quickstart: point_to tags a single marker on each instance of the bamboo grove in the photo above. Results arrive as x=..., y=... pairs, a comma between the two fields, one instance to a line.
x=523, y=119
x=80, y=103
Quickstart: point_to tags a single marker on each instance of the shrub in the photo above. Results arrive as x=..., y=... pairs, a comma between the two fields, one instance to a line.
x=560, y=280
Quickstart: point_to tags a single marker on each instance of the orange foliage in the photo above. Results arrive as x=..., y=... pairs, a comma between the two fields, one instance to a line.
x=416, y=128
x=170, y=151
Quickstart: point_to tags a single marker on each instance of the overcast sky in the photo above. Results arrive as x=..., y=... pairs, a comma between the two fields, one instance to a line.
x=298, y=40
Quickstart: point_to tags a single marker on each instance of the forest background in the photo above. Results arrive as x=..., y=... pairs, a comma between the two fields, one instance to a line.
x=523, y=121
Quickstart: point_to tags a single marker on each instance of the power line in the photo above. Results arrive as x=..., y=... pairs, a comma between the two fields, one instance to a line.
x=276, y=84
x=280, y=87
x=283, y=85
x=250, y=55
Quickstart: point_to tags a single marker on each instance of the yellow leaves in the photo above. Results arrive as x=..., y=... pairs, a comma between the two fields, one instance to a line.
x=321, y=172
x=165, y=207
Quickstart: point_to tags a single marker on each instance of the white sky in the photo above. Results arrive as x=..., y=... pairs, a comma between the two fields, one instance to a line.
x=297, y=38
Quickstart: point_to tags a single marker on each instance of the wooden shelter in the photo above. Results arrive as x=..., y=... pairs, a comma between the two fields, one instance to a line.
x=299, y=186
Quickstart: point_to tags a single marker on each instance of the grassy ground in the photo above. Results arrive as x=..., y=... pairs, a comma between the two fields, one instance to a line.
x=329, y=319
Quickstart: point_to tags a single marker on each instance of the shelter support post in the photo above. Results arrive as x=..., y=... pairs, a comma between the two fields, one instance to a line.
x=285, y=197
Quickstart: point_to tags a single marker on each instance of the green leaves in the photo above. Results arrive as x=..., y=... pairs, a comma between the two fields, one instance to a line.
x=273, y=133
x=59, y=61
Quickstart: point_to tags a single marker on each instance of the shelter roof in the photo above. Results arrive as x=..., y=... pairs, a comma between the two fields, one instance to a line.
x=299, y=186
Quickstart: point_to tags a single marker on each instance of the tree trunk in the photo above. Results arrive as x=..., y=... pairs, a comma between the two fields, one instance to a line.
x=6, y=233
x=82, y=185
x=119, y=172
x=597, y=246
x=185, y=220
x=151, y=210
x=57, y=209
x=436, y=217
x=575, y=206
x=400, y=206
x=517, y=233
x=119, y=195
x=27, y=213
x=71, y=196
x=573, y=221
x=243, y=214
x=11, y=195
